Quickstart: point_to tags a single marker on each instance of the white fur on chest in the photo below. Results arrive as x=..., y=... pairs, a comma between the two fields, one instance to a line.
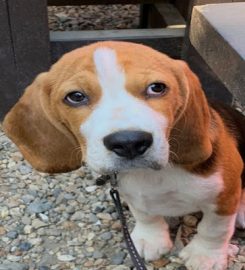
x=169, y=192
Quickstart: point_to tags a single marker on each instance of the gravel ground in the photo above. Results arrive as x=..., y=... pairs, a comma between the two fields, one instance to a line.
x=93, y=17
x=65, y=221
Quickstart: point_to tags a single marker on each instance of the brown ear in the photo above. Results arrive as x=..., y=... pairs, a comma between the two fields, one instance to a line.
x=190, y=138
x=46, y=143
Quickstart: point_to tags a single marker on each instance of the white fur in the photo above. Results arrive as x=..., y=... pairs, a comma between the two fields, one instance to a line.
x=171, y=191
x=119, y=110
x=240, y=221
x=175, y=192
x=210, y=247
x=150, y=235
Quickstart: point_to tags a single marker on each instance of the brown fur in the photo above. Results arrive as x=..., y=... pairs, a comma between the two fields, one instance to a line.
x=47, y=131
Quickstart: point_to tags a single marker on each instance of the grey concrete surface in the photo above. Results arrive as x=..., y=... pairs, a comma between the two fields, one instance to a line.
x=217, y=32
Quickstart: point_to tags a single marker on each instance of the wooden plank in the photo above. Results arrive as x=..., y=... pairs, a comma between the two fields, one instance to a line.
x=98, y=2
x=8, y=78
x=155, y=19
x=166, y=40
x=67, y=36
x=144, y=15
x=184, y=7
x=170, y=15
x=30, y=36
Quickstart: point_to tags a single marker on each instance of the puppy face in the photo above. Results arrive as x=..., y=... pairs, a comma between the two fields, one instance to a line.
x=130, y=101
x=117, y=103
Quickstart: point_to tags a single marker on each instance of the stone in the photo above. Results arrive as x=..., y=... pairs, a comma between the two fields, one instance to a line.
x=25, y=246
x=28, y=229
x=79, y=215
x=43, y=267
x=65, y=258
x=70, y=209
x=93, y=218
x=12, y=234
x=106, y=236
x=99, y=209
x=15, y=212
x=91, y=188
x=116, y=226
x=4, y=212
x=69, y=196
x=104, y=216
x=27, y=198
x=118, y=258
x=182, y=267
x=38, y=207
x=2, y=230
x=43, y=217
x=160, y=263
x=62, y=17
x=47, y=260
x=97, y=254
x=56, y=192
x=90, y=236
x=37, y=223
x=190, y=220
x=120, y=267
x=110, y=209
x=13, y=258
x=69, y=225
x=89, y=263
x=52, y=232
x=35, y=241
x=26, y=220
x=13, y=266
x=24, y=169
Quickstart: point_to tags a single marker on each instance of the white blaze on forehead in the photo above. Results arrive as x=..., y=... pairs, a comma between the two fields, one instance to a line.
x=119, y=110
x=110, y=74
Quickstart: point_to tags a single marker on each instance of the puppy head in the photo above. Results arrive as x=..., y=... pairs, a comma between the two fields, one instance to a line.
x=117, y=106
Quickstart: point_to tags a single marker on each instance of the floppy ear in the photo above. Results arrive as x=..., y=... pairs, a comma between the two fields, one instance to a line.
x=190, y=138
x=44, y=141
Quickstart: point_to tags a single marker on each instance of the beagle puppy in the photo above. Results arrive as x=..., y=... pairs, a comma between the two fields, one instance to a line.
x=127, y=108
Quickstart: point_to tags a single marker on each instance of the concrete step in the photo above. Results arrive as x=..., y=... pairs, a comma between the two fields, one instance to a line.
x=217, y=32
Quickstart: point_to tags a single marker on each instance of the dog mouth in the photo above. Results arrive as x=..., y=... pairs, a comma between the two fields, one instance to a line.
x=121, y=166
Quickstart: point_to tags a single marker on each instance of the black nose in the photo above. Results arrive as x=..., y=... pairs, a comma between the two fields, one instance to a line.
x=127, y=143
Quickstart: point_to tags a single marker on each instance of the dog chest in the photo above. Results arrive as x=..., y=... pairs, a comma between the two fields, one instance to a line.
x=169, y=192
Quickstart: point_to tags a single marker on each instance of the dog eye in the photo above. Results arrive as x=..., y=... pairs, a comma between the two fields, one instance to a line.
x=156, y=89
x=76, y=99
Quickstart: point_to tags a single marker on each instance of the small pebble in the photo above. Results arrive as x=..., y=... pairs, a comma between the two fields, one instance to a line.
x=118, y=258
x=106, y=236
x=104, y=216
x=43, y=217
x=13, y=266
x=43, y=267
x=79, y=215
x=25, y=246
x=190, y=220
x=97, y=254
x=91, y=188
x=12, y=234
x=38, y=207
x=65, y=258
